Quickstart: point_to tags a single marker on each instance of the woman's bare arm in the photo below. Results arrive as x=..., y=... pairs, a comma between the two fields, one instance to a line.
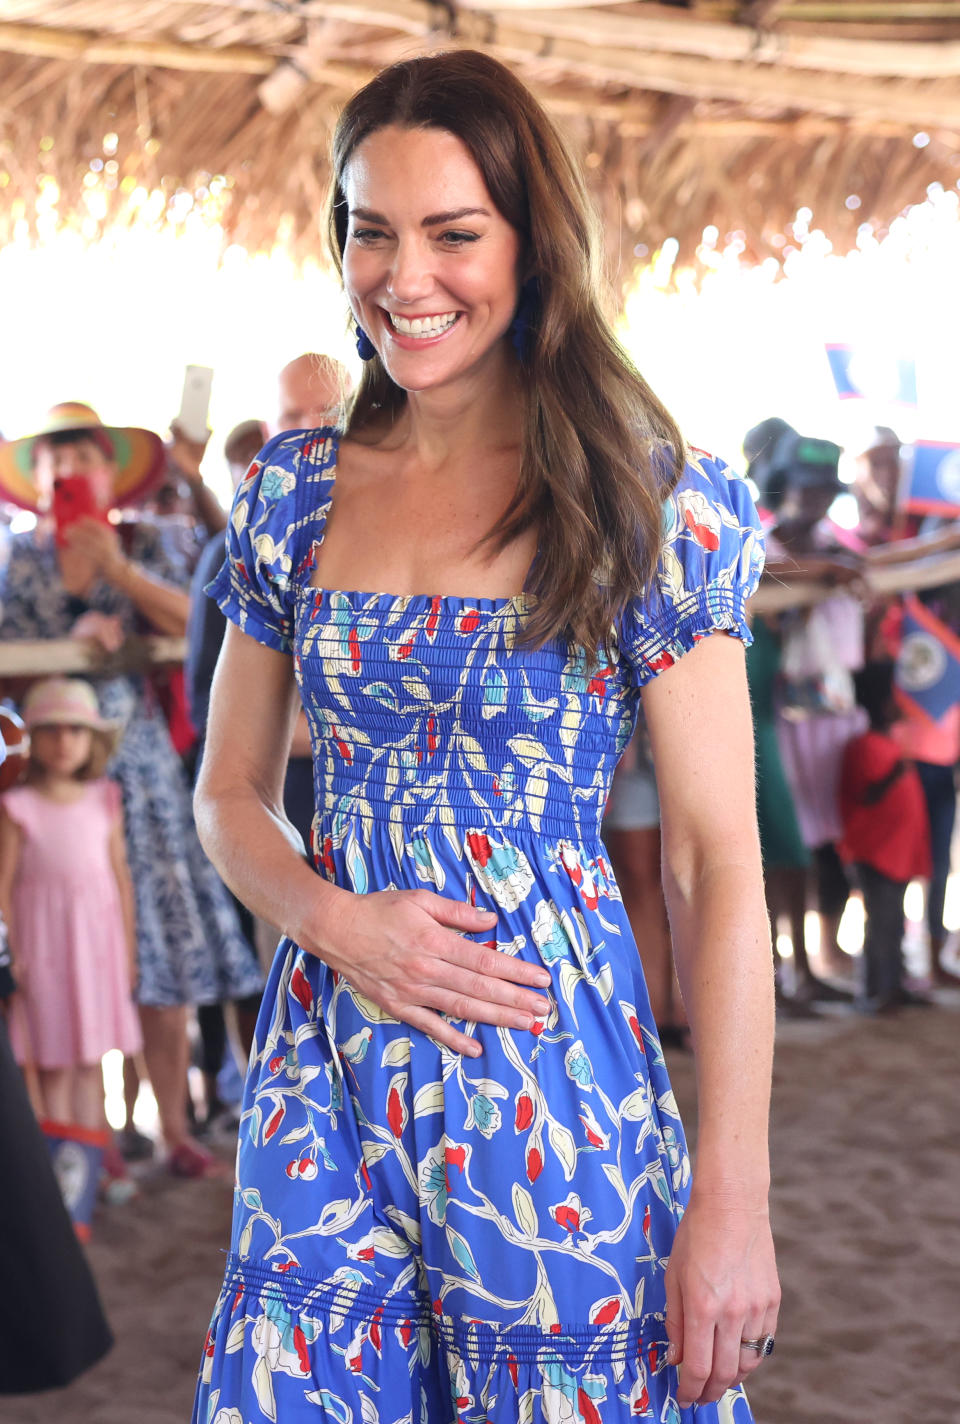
x=722, y=1282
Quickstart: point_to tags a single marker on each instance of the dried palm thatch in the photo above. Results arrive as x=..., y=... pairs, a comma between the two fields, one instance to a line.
x=725, y=114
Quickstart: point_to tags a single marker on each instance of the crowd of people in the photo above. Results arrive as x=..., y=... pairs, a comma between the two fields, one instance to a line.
x=106, y=894
x=855, y=782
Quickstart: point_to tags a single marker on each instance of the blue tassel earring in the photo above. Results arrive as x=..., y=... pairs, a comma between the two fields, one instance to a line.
x=365, y=347
x=521, y=329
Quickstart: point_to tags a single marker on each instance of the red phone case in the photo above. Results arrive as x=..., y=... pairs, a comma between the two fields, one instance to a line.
x=73, y=499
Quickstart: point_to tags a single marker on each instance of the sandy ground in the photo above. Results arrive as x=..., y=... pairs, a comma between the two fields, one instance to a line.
x=866, y=1204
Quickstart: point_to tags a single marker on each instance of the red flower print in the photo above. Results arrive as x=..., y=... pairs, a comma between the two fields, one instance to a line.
x=326, y=856
x=395, y=1112
x=567, y=1217
x=706, y=537
x=661, y=663
x=607, y=1313
x=300, y=1345
x=524, y=1114
x=300, y=989
x=534, y=1164
x=433, y=619
x=366, y=1177
x=276, y=1118
x=353, y=643
x=479, y=848
x=512, y=1367
x=587, y=1408
x=456, y=1157
x=341, y=746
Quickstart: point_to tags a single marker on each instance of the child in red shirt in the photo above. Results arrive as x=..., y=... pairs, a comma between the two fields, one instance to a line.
x=885, y=836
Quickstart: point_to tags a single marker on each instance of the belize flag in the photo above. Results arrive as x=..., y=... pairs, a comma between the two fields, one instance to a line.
x=859, y=374
x=933, y=481
x=928, y=665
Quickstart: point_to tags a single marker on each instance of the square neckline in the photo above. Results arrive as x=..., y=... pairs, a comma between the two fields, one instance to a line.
x=378, y=598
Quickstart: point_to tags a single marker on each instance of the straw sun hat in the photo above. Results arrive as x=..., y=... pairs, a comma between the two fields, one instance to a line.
x=65, y=701
x=138, y=455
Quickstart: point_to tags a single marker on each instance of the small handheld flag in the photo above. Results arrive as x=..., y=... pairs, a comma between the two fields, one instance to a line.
x=872, y=375
x=927, y=677
x=933, y=481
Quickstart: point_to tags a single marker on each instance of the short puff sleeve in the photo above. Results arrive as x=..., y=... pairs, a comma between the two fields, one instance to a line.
x=710, y=564
x=268, y=536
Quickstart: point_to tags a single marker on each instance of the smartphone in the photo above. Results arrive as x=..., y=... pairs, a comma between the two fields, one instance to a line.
x=195, y=402
x=73, y=499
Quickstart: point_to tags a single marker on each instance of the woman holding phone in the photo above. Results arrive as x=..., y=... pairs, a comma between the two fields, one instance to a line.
x=463, y=1191
x=73, y=575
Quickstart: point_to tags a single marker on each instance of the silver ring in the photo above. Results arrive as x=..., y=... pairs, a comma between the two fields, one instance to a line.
x=764, y=1346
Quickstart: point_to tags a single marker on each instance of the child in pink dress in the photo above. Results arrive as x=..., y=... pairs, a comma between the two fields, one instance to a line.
x=65, y=893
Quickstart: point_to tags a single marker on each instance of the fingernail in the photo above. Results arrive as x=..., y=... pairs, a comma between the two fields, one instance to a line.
x=673, y=1353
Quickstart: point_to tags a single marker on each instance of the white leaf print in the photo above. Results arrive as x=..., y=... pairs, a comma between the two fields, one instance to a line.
x=474, y=753
x=263, y=1384
x=296, y=1135
x=408, y=1225
x=416, y=688
x=636, y=1105
x=235, y=1338
x=535, y=794
x=564, y=1146
x=428, y=1099
x=489, y=1088
x=396, y=1053
x=570, y=977
x=525, y=1211
x=671, y=574
x=529, y=750
x=667, y=1103
x=371, y=1012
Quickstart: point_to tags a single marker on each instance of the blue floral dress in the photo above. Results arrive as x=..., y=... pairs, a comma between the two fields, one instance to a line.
x=190, y=947
x=422, y=1238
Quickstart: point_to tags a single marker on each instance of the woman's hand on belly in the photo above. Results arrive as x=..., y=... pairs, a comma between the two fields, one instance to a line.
x=405, y=950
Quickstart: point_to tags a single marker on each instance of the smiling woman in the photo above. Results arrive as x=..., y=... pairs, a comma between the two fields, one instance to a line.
x=463, y=1190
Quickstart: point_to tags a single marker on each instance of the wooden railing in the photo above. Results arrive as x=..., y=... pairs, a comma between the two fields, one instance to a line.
x=43, y=658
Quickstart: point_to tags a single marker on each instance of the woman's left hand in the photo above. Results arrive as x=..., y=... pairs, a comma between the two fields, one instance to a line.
x=722, y=1288
x=99, y=544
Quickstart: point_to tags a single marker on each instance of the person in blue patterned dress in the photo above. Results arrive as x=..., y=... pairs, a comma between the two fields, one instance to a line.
x=190, y=948
x=463, y=1192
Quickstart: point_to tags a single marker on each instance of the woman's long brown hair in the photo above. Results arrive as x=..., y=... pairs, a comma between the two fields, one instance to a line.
x=600, y=452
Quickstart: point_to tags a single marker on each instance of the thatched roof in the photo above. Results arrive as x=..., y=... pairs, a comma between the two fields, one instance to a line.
x=730, y=113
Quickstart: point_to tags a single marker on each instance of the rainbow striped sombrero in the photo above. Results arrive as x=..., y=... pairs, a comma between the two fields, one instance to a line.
x=138, y=455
